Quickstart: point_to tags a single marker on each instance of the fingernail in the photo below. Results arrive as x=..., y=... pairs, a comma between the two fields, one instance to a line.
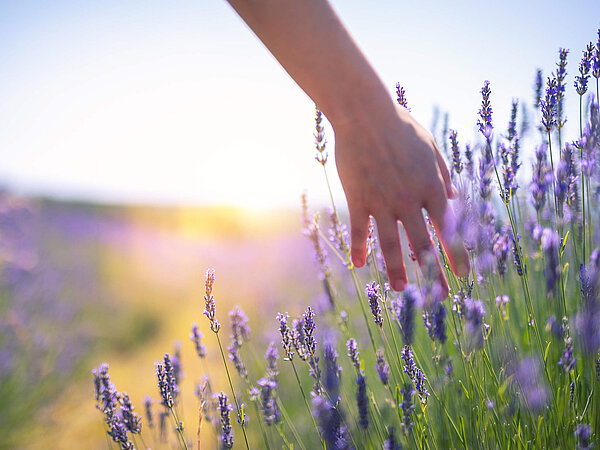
x=398, y=285
x=453, y=191
x=462, y=270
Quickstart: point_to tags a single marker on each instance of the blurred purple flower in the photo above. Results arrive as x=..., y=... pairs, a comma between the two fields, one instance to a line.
x=382, y=367
x=530, y=384
x=226, y=430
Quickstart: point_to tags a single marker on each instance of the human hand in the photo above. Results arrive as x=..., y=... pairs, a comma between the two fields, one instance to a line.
x=390, y=168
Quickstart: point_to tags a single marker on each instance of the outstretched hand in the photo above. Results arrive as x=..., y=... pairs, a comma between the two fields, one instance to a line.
x=391, y=168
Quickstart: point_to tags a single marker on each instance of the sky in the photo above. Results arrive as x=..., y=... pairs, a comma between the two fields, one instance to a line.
x=179, y=103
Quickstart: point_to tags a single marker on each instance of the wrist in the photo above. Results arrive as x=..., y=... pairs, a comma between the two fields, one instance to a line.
x=368, y=102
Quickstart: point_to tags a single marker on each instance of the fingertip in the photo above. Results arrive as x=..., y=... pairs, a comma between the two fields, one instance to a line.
x=452, y=191
x=463, y=267
x=359, y=258
x=398, y=285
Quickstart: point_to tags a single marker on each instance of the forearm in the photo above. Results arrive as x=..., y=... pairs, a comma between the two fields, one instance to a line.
x=312, y=45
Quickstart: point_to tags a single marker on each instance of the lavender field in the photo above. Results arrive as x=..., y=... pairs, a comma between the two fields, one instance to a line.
x=508, y=359
x=145, y=327
x=82, y=283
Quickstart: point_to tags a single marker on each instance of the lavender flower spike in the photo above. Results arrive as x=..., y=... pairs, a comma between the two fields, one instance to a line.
x=353, y=352
x=240, y=330
x=209, y=301
x=583, y=433
x=196, y=337
x=401, y=96
x=550, y=244
x=390, y=443
x=131, y=419
x=227, y=431
x=382, y=367
x=457, y=165
x=362, y=402
x=485, y=113
x=167, y=385
x=406, y=315
x=373, y=292
x=474, y=312
x=287, y=336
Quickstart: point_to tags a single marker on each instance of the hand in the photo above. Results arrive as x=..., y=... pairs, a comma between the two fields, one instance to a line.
x=391, y=168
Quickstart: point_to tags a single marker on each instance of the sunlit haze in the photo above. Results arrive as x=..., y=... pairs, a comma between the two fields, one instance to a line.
x=178, y=102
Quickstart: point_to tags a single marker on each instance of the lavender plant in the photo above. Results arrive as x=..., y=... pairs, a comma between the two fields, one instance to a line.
x=489, y=375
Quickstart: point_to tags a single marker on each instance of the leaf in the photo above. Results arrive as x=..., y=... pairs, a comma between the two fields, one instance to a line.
x=546, y=353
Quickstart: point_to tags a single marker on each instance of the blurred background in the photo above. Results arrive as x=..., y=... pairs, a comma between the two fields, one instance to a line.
x=142, y=142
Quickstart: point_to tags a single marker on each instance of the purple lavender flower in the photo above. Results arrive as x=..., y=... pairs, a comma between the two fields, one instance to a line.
x=353, y=352
x=516, y=248
x=320, y=142
x=474, y=312
x=332, y=370
x=406, y=313
x=457, y=165
x=587, y=320
x=362, y=402
x=435, y=322
x=148, y=402
x=401, y=96
x=550, y=105
x=542, y=177
x=177, y=366
x=567, y=359
x=308, y=328
x=196, y=337
x=539, y=83
x=530, y=384
x=416, y=374
x=449, y=369
x=581, y=81
x=554, y=327
x=500, y=249
x=209, y=301
x=339, y=236
x=167, y=384
x=105, y=392
x=329, y=420
x=507, y=174
x=118, y=432
x=469, y=162
x=596, y=60
x=287, y=336
x=240, y=330
x=373, y=291
x=298, y=338
x=485, y=113
x=550, y=245
x=407, y=407
x=484, y=176
x=514, y=166
x=226, y=430
x=236, y=359
x=131, y=419
x=268, y=402
x=512, y=124
x=561, y=73
x=390, y=442
x=382, y=367
x=583, y=433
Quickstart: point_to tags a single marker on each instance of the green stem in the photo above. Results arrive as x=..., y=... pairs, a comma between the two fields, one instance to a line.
x=239, y=413
x=306, y=402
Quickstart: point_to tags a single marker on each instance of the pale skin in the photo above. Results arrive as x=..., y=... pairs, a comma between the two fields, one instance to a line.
x=389, y=165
